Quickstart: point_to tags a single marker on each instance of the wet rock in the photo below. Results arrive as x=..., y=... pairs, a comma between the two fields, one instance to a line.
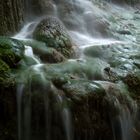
x=51, y=31
x=130, y=2
x=132, y=79
x=43, y=7
x=51, y=56
x=127, y=32
x=44, y=53
x=97, y=89
x=94, y=103
x=11, y=51
x=92, y=69
x=67, y=15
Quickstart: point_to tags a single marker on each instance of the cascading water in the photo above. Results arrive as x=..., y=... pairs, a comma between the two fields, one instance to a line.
x=86, y=24
x=26, y=31
x=122, y=124
x=19, y=100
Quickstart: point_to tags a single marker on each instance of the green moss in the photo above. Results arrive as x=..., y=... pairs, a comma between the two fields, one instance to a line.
x=5, y=77
x=11, y=51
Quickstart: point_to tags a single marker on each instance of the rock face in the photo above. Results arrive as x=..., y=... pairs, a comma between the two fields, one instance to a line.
x=43, y=7
x=51, y=31
x=11, y=16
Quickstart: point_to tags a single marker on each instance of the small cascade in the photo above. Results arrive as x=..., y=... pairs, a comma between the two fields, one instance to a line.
x=35, y=91
x=29, y=53
x=26, y=31
x=122, y=112
x=122, y=126
x=62, y=112
x=66, y=117
x=90, y=41
x=24, y=114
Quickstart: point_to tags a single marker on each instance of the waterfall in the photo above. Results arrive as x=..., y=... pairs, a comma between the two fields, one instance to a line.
x=26, y=103
x=122, y=126
x=87, y=25
x=26, y=31
x=19, y=102
x=24, y=114
x=29, y=53
x=122, y=123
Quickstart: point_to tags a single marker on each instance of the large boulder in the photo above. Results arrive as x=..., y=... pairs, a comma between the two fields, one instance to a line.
x=51, y=31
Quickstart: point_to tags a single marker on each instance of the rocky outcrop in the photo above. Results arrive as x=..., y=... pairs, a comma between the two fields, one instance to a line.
x=51, y=31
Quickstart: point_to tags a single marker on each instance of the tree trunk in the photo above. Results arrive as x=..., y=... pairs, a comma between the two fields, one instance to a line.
x=11, y=16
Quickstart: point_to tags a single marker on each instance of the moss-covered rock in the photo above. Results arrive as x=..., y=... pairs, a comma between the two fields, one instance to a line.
x=11, y=51
x=51, y=31
x=45, y=53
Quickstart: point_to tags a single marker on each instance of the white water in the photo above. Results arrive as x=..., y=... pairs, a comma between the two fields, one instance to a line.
x=20, y=89
x=84, y=41
x=88, y=23
x=26, y=31
x=66, y=116
x=29, y=52
x=122, y=123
